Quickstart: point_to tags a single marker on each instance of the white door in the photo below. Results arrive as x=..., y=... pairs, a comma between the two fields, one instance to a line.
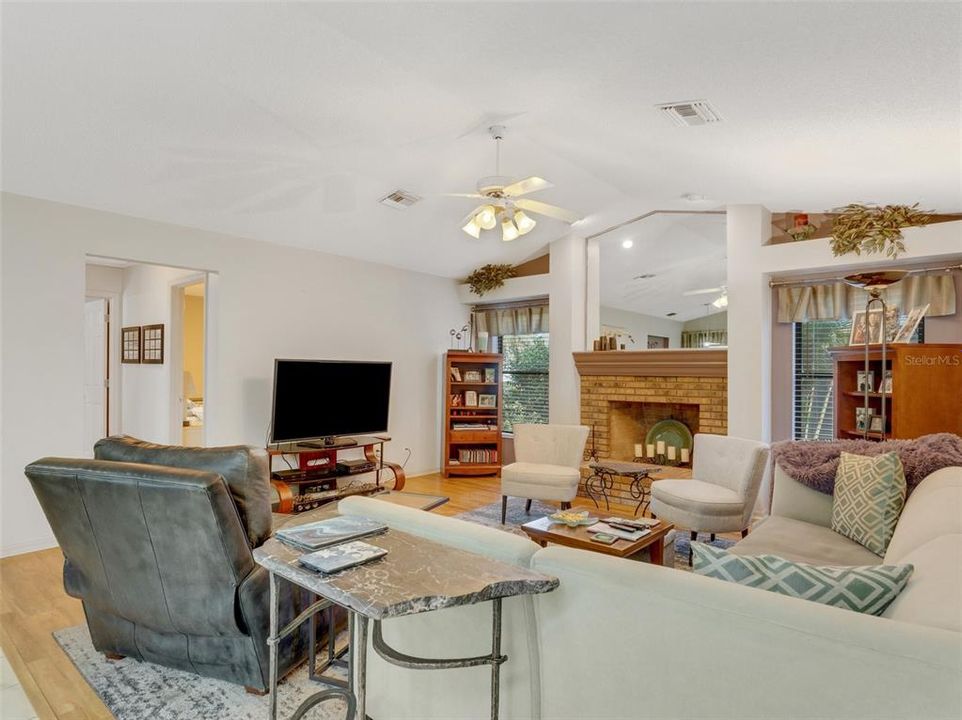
x=95, y=372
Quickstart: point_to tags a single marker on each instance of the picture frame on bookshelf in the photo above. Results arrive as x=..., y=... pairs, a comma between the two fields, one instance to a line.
x=857, y=334
x=863, y=419
x=865, y=381
x=470, y=398
x=487, y=401
x=875, y=425
x=885, y=386
x=455, y=374
x=472, y=376
x=912, y=321
x=490, y=375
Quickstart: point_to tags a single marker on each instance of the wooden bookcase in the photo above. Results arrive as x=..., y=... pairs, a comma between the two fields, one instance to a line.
x=459, y=443
x=926, y=388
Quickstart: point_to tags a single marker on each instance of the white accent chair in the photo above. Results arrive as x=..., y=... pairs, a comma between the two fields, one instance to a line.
x=548, y=464
x=720, y=496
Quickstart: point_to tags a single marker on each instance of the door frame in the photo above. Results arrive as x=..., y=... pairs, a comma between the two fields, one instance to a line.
x=113, y=421
x=176, y=353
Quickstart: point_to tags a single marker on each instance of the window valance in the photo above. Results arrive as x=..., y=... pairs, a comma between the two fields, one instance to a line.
x=487, y=321
x=836, y=300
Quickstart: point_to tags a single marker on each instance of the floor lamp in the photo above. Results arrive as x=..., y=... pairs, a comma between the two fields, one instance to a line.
x=874, y=284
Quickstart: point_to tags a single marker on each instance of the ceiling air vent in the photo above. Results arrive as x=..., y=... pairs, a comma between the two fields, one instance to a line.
x=692, y=112
x=399, y=199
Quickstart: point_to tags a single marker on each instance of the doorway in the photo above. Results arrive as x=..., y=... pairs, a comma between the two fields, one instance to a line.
x=192, y=329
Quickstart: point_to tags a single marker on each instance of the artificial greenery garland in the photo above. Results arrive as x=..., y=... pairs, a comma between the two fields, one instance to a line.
x=490, y=277
x=874, y=229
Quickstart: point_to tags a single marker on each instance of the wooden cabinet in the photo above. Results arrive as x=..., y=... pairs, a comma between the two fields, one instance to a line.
x=926, y=392
x=471, y=442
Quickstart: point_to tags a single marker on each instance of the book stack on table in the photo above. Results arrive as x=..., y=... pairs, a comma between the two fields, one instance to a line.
x=334, y=544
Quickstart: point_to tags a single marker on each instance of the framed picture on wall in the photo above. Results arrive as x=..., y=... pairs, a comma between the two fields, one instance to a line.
x=130, y=344
x=153, y=343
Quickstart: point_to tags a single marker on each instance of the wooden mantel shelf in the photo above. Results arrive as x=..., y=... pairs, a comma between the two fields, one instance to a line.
x=708, y=362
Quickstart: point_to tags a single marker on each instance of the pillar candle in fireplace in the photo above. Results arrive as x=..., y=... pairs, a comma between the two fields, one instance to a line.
x=639, y=448
x=661, y=447
x=685, y=455
x=671, y=452
x=651, y=450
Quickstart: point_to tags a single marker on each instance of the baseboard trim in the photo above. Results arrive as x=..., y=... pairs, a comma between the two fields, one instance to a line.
x=425, y=473
x=21, y=548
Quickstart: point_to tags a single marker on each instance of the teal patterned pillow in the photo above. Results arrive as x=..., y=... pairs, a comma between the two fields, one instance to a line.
x=866, y=589
x=868, y=499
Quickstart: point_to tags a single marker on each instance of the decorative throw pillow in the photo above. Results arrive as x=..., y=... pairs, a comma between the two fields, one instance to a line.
x=868, y=499
x=867, y=589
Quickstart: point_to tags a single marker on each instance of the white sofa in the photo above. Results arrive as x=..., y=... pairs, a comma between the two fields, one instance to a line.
x=622, y=640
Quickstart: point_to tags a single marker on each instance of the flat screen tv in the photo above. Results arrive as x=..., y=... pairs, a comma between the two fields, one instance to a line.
x=324, y=399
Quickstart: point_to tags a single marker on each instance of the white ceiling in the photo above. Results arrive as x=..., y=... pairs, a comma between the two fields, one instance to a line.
x=683, y=252
x=287, y=122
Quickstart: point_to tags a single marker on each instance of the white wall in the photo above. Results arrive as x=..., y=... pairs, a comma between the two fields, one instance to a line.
x=270, y=301
x=566, y=299
x=146, y=388
x=715, y=321
x=640, y=326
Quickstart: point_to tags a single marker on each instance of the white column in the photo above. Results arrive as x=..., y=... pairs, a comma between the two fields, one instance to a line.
x=749, y=324
x=566, y=297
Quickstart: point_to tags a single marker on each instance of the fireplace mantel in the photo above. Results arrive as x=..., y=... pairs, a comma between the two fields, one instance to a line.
x=707, y=362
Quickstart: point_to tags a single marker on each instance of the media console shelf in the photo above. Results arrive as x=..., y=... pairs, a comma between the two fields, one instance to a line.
x=471, y=442
x=313, y=481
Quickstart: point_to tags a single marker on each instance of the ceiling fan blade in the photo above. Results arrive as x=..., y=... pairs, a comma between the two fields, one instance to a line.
x=470, y=195
x=703, y=291
x=528, y=185
x=536, y=206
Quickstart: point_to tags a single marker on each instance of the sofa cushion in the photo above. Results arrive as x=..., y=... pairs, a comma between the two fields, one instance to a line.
x=244, y=469
x=933, y=595
x=933, y=509
x=868, y=498
x=698, y=497
x=805, y=542
x=868, y=589
x=540, y=474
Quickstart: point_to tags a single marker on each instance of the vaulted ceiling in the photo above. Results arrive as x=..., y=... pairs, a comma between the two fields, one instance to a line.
x=287, y=122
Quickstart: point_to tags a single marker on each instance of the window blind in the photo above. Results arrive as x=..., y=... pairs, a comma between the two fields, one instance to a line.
x=525, y=389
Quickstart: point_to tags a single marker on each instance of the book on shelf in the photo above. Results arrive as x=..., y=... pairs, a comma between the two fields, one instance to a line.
x=332, y=531
x=478, y=456
x=340, y=557
x=473, y=426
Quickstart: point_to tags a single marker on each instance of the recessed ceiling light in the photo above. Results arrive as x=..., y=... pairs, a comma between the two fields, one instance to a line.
x=627, y=244
x=671, y=314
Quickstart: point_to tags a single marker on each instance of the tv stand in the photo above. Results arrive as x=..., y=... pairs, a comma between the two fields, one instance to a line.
x=330, y=442
x=317, y=471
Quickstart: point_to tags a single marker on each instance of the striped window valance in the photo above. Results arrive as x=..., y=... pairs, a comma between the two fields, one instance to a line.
x=835, y=300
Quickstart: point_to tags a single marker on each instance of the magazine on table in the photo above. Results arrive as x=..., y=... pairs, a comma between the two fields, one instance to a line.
x=602, y=527
x=332, y=531
x=340, y=557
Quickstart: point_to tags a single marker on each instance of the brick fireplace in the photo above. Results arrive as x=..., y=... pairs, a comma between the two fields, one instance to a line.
x=624, y=393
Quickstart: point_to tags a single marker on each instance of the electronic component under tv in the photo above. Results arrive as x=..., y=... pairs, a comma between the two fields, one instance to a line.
x=325, y=399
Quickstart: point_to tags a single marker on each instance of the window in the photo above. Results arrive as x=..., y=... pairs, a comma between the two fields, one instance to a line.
x=814, y=400
x=525, y=390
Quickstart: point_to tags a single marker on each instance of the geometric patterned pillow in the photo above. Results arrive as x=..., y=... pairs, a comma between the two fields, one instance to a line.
x=868, y=499
x=867, y=589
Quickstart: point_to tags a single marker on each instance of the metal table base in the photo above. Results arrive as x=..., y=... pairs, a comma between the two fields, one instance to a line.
x=354, y=692
x=602, y=480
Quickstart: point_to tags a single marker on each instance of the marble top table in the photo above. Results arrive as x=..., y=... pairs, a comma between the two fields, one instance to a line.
x=417, y=575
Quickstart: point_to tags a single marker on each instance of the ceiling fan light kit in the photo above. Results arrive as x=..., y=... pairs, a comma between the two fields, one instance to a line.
x=503, y=201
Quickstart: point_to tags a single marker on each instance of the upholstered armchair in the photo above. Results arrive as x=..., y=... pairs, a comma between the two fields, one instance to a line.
x=726, y=475
x=548, y=464
x=157, y=543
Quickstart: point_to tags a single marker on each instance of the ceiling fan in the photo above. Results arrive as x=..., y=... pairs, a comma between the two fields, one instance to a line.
x=720, y=302
x=503, y=202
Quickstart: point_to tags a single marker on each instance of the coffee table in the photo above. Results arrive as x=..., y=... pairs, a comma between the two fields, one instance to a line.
x=543, y=531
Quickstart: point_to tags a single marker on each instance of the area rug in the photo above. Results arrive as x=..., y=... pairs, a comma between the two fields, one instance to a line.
x=490, y=515
x=134, y=690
